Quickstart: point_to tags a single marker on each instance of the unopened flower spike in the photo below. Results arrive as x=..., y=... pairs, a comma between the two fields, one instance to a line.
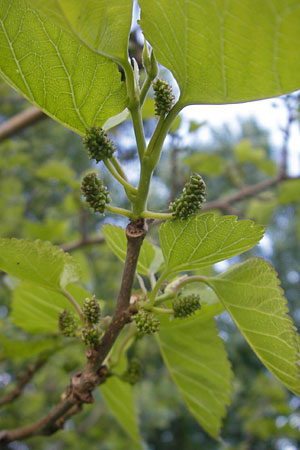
x=191, y=200
x=146, y=322
x=91, y=310
x=98, y=144
x=133, y=372
x=164, y=99
x=95, y=192
x=186, y=306
x=67, y=323
x=91, y=336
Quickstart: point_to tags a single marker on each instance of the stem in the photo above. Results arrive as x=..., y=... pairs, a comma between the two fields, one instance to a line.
x=162, y=310
x=137, y=121
x=128, y=188
x=121, y=211
x=145, y=88
x=73, y=302
x=151, y=158
x=156, y=215
x=156, y=288
x=118, y=167
x=193, y=279
x=163, y=298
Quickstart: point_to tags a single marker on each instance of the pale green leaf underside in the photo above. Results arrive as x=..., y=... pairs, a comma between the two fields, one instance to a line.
x=36, y=308
x=226, y=51
x=102, y=25
x=39, y=262
x=150, y=257
x=197, y=361
x=25, y=349
x=72, y=84
x=251, y=294
x=205, y=239
x=119, y=397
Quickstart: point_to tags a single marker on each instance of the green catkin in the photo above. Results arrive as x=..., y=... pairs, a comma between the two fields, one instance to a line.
x=146, y=323
x=98, y=144
x=191, y=200
x=91, y=336
x=67, y=323
x=163, y=97
x=186, y=306
x=91, y=311
x=95, y=192
x=133, y=372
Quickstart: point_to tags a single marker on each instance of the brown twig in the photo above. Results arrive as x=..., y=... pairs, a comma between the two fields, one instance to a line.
x=83, y=383
x=20, y=121
x=22, y=381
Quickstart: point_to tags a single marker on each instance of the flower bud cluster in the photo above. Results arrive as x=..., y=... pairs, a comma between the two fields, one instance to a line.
x=164, y=99
x=95, y=193
x=67, y=323
x=133, y=372
x=146, y=323
x=91, y=336
x=98, y=144
x=91, y=311
x=186, y=306
x=191, y=199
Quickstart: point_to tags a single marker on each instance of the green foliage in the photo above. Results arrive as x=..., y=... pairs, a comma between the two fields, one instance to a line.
x=251, y=294
x=150, y=258
x=197, y=361
x=203, y=240
x=38, y=262
x=36, y=308
x=224, y=53
x=66, y=79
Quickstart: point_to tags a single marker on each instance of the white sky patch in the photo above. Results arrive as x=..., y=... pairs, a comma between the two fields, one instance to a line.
x=266, y=245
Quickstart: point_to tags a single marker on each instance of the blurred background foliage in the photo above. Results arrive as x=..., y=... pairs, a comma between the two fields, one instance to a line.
x=40, y=172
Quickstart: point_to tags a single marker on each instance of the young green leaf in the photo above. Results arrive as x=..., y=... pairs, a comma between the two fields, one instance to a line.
x=204, y=240
x=150, y=258
x=251, y=294
x=10, y=348
x=71, y=83
x=197, y=361
x=39, y=262
x=103, y=26
x=36, y=308
x=226, y=52
x=119, y=397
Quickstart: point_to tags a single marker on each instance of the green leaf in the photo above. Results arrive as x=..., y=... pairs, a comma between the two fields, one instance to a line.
x=289, y=192
x=71, y=83
x=251, y=294
x=197, y=361
x=103, y=26
x=203, y=240
x=36, y=308
x=150, y=258
x=205, y=163
x=39, y=262
x=246, y=153
x=226, y=52
x=27, y=348
x=119, y=396
x=261, y=209
x=57, y=170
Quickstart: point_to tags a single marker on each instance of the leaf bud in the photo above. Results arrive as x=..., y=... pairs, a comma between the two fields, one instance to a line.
x=133, y=372
x=91, y=336
x=164, y=99
x=95, y=192
x=191, y=199
x=91, y=311
x=67, y=323
x=98, y=144
x=186, y=306
x=146, y=323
